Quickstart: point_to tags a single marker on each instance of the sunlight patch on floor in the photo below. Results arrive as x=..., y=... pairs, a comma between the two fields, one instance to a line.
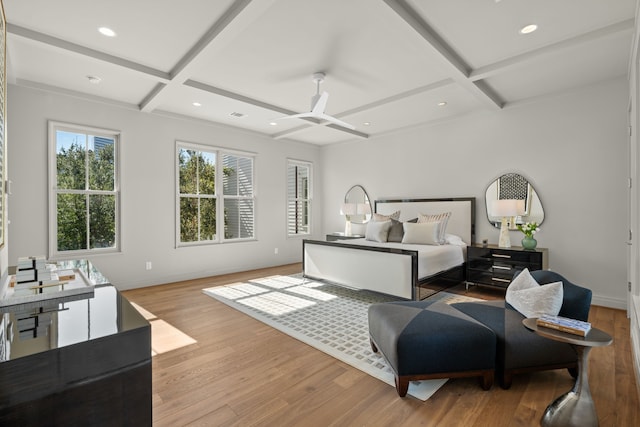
x=164, y=337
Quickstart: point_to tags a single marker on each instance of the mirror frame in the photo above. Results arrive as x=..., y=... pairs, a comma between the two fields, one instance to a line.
x=360, y=218
x=534, y=203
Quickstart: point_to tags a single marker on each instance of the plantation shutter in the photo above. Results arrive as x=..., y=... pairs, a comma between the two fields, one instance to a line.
x=238, y=190
x=298, y=198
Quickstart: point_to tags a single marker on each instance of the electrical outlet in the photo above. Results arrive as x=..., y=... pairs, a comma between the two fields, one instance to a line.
x=275, y=251
x=148, y=265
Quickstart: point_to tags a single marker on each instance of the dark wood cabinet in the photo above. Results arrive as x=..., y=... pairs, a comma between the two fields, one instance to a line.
x=86, y=362
x=494, y=266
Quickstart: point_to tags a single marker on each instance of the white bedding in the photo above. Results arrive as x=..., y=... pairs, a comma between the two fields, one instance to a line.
x=431, y=259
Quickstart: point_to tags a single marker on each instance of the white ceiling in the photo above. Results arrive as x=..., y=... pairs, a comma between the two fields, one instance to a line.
x=388, y=62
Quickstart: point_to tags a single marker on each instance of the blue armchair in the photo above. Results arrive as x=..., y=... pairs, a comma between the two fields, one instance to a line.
x=520, y=350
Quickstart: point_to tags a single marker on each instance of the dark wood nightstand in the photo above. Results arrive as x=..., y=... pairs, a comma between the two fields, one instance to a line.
x=494, y=266
x=332, y=237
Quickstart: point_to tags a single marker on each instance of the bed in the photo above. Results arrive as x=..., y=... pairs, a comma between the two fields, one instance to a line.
x=407, y=271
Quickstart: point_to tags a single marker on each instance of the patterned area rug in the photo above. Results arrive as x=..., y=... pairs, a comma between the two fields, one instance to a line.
x=331, y=318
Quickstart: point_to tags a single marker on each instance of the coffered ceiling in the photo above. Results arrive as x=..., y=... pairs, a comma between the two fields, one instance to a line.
x=389, y=64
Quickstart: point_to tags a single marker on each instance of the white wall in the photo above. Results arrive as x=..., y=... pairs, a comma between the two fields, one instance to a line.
x=572, y=147
x=148, y=189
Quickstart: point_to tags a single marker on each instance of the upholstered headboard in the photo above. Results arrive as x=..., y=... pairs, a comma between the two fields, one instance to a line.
x=463, y=212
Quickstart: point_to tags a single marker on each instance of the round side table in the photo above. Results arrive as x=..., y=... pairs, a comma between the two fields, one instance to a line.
x=575, y=407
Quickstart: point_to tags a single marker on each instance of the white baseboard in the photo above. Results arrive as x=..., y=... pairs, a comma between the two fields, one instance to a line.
x=609, y=302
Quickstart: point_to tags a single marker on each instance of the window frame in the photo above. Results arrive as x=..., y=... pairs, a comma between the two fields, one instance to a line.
x=309, y=166
x=219, y=196
x=53, y=191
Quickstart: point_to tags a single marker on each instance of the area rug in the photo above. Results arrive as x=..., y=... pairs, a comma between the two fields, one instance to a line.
x=331, y=318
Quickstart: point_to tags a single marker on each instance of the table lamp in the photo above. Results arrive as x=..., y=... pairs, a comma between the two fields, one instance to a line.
x=363, y=209
x=347, y=210
x=506, y=209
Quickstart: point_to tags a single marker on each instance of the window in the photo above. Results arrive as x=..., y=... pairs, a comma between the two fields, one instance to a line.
x=84, y=195
x=212, y=181
x=298, y=197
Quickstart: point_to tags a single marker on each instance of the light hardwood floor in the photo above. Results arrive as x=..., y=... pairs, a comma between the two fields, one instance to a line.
x=244, y=373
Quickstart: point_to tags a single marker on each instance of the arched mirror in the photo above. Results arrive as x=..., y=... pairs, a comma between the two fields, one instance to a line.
x=357, y=205
x=512, y=186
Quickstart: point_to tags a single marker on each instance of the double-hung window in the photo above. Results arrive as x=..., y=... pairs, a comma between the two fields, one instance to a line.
x=298, y=197
x=216, y=195
x=84, y=198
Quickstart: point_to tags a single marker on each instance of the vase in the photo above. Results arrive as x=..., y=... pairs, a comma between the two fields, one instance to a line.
x=529, y=242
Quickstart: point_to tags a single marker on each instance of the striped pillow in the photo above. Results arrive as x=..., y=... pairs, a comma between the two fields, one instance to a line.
x=442, y=218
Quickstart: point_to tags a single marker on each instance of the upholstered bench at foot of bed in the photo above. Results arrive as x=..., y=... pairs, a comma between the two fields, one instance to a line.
x=427, y=340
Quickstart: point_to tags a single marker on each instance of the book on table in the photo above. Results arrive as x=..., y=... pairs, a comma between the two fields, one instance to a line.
x=564, y=324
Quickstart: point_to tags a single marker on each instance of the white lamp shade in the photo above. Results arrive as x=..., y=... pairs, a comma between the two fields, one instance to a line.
x=507, y=207
x=349, y=209
x=364, y=209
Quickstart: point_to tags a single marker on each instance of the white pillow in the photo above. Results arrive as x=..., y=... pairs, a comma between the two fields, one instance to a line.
x=377, y=231
x=379, y=217
x=442, y=218
x=423, y=234
x=452, y=239
x=533, y=300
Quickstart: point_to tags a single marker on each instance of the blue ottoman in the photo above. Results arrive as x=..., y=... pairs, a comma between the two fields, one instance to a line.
x=424, y=340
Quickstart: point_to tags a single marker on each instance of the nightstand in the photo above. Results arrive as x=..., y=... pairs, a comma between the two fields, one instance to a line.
x=332, y=237
x=494, y=266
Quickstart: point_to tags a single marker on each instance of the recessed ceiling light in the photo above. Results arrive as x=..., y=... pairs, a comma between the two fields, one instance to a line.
x=94, y=79
x=106, y=31
x=197, y=104
x=273, y=123
x=527, y=29
x=367, y=123
x=442, y=103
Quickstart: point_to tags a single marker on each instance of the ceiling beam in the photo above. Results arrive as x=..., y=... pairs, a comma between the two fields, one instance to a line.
x=228, y=94
x=159, y=75
x=180, y=71
x=459, y=69
x=522, y=59
x=397, y=97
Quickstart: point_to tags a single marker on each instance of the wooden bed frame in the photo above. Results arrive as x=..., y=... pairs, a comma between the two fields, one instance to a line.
x=389, y=270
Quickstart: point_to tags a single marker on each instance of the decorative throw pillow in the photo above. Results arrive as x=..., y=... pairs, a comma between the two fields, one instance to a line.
x=442, y=218
x=377, y=231
x=396, y=232
x=452, y=239
x=379, y=217
x=533, y=300
x=423, y=234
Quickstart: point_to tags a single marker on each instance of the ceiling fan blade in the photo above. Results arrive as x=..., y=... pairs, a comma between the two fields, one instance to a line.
x=320, y=104
x=335, y=121
x=297, y=116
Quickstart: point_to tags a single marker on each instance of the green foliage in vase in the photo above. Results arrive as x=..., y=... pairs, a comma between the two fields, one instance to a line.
x=529, y=228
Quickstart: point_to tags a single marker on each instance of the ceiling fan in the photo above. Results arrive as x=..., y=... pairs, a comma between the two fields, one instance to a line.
x=318, y=105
